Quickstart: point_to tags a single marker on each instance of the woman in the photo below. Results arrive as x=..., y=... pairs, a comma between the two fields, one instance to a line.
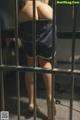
x=43, y=44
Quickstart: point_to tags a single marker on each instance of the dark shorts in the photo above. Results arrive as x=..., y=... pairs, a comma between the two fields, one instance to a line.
x=43, y=38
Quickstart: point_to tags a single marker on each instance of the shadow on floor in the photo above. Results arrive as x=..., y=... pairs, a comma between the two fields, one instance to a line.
x=11, y=105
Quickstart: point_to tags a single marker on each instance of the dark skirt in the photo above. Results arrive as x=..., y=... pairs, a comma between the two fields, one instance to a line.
x=43, y=40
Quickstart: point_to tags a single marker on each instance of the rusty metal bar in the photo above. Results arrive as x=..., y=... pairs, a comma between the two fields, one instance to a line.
x=61, y=35
x=2, y=91
x=34, y=55
x=53, y=55
x=39, y=70
x=74, y=14
x=17, y=58
x=1, y=75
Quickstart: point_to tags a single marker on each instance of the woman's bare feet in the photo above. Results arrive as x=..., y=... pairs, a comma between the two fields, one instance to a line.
x=30, y=107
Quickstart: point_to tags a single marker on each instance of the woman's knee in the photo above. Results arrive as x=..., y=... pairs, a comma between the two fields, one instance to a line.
x=45, y=64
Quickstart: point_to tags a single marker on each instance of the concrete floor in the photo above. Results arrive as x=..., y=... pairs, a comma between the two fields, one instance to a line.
x=62, y=93
x=62, y=108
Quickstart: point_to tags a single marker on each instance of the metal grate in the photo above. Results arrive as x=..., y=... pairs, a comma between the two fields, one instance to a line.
x=36, y=69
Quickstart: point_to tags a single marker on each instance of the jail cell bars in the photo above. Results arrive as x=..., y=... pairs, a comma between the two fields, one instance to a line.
x=36, y=69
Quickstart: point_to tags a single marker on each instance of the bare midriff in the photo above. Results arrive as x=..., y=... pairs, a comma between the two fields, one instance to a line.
x=42, y=11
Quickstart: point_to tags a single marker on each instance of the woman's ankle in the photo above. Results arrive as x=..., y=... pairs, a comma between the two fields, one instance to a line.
x=51, y=107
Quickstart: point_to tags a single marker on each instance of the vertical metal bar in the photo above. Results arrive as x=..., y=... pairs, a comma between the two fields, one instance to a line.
x=16, y=32
x=18, y=94
x=54, y=32
x=2, y=91
x=1, y=74
x=0, y=46
x=34, y=55
x=34, y=32
x=74, y=13
x=17, y=57
x=53, y=53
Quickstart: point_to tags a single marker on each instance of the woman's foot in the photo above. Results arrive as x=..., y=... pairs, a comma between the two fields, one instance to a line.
x=30, y=111
x=31, y=107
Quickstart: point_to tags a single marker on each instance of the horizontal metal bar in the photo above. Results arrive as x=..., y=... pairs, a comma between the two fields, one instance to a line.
x=10, y=33
x=38, y=69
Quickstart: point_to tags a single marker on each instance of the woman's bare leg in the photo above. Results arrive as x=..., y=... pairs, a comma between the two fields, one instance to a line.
x=47, y=77
x=29, y=84
x=48, y=84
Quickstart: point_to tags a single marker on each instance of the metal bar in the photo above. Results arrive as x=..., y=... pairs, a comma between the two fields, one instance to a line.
x=34, y=55
x=39, y=70
x=2, y=91
x=1, y=59
x=65, y=35
x=1, y=74
x=18, y=94
x=17, y=58
x=54, y=33
x=74, y=13
x=53, y=54
x=16, y=32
